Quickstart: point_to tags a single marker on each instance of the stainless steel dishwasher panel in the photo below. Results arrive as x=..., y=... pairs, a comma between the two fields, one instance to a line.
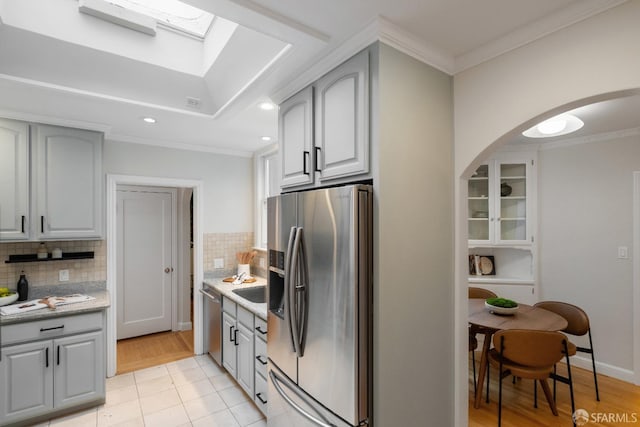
x=213, y=319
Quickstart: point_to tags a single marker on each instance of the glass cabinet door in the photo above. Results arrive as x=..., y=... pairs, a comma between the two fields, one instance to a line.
x=479, y=207
x=512, y=202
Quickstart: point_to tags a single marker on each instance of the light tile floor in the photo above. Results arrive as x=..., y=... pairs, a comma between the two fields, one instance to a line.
x=190, y=392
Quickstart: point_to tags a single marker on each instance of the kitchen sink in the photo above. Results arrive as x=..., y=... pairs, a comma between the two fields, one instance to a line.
x=256, y=294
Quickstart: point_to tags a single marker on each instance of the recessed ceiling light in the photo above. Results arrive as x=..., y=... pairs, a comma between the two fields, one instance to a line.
x=555, y=126
x=267, y=106
x=266, y=138
x=149, y=119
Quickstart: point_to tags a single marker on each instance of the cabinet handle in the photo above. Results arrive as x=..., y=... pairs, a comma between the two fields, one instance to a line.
x=259, y=359
x=42, y=224
x=46, y=355
x=235, y=337
x=259, y=329
x=264, y=402
x=23, y=219
x=317, y=168
x=58, y=356
x=231, y=334
x=305, y=160
x=51, y=329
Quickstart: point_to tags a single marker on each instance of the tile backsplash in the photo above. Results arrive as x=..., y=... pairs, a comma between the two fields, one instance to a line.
x=215, y=245
x=47, y=272
x=225, y=246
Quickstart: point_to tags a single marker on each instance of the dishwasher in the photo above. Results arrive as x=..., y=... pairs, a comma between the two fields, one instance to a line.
x=213, y=319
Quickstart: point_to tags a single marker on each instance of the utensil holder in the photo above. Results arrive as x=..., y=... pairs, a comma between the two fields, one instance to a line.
x=244, y=268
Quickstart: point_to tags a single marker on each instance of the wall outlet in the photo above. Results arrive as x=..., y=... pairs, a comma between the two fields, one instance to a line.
x=263, y=262
x=63, y=275
x=218, y=263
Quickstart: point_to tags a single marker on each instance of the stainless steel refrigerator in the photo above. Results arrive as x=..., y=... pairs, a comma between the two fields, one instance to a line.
x=319, y=308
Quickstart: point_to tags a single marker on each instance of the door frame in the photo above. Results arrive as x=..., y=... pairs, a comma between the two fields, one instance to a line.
x=113, y=181
x=636, y=277
x=175, y=244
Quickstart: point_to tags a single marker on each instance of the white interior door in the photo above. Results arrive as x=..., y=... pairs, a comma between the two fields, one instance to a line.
x=144, y=261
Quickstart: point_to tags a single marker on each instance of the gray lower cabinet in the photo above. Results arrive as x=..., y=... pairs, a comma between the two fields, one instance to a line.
x=244, y=350
x=260, y=346
x=47, y=376
x=237, y=344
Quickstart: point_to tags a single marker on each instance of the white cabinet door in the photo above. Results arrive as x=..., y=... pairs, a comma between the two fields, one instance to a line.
x=295, y=125
x=79, y=369
x=67, y=174
x=26, y=381
x=245, y=364
x=229, y=346
x=342, y=119
x=14, y=180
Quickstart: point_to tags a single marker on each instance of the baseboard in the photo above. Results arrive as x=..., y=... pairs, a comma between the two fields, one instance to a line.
x=185, y=326
x=604, y=369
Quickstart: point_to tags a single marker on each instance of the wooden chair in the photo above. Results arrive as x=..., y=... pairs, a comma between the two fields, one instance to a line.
x=474, y=330
x=578, y=325
x=533, y=355
x=480, y=293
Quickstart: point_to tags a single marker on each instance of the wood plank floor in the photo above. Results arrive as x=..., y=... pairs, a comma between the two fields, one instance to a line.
x=617, y=399
x=151, y=350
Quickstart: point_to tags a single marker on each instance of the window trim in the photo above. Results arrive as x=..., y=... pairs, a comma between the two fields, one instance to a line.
x=259, y=175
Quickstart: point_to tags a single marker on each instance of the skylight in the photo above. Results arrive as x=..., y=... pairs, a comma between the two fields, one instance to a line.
x=171, y=13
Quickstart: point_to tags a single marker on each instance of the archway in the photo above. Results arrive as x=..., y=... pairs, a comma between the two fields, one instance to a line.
x=633, y=374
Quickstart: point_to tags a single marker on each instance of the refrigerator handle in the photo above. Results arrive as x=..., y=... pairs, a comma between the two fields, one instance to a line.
x=295, y=406
x=287, y=284
x=303, y=290
x=292, y=290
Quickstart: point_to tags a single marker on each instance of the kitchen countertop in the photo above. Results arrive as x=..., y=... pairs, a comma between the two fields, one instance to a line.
x=226, y=289
x=94, y=289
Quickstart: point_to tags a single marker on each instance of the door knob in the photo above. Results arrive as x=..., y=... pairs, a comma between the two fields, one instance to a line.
x=168, y=270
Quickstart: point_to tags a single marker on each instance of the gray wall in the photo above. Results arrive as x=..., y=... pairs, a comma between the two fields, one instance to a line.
x=585, y=200
x=413, y=357
x=227, y=180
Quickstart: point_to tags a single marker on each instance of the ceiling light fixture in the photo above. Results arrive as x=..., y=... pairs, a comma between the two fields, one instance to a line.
x=149, y=119
x=555, y=126
x=267, y=106
x=266, y=138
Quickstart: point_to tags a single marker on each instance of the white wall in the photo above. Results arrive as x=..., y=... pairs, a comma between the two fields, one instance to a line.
x=228, y=181
x=585, y=200
x=496, y=99
x=413, y=274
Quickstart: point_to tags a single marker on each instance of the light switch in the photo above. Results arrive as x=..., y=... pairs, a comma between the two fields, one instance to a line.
x=218, y=263
x=623, y=252
x=63, y=275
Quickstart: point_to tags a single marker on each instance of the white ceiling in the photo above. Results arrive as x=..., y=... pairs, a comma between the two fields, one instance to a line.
x=59, y=67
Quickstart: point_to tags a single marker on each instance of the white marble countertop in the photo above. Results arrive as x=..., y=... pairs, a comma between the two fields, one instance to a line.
x=101, y=302
x=226, y=289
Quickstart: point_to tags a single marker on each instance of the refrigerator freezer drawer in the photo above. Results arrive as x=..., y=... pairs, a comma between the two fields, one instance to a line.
x=290, y=406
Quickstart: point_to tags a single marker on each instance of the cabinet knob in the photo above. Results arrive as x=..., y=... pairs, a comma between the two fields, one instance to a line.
x=168, y=270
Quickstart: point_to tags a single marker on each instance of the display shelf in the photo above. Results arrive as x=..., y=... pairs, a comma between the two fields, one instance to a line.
x=501, y=280
x=14, y=259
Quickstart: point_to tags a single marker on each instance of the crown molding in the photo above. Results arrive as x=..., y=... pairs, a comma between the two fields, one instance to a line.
x=118, y=138
x=408, y=43
x=599, y=137
x=565, y=17
x=54, y=121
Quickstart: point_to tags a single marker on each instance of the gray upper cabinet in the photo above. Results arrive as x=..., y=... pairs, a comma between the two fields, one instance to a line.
x=324, y=129
x=295, y=125
x=342, y=119
x=67, y=179
x=14, y=180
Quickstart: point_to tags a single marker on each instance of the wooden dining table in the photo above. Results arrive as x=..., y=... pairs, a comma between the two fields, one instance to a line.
x=527, y=317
